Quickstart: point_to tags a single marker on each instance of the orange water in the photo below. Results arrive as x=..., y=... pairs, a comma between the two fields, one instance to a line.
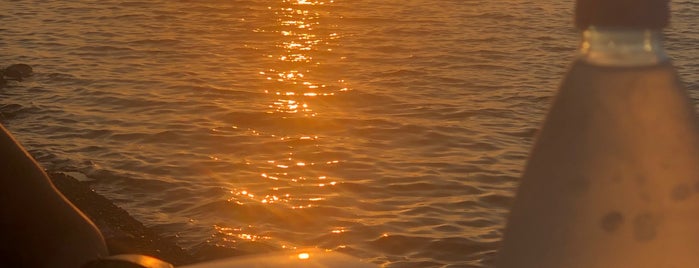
x=389, y=130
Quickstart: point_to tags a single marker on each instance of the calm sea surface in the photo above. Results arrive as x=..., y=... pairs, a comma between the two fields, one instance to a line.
x=389, y=130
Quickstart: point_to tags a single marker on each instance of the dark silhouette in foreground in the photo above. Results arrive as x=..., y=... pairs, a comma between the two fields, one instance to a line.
x=40, y=228
x=47, y=221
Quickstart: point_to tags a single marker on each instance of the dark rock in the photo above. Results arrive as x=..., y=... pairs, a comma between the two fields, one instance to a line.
x=123, y=233
x=18, y=71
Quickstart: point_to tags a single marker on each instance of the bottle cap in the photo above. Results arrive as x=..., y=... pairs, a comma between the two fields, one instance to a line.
x=645, y=14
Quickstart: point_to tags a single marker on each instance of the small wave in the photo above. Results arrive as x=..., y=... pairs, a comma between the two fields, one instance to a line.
x=10, y=111
x=103, y=48
x=497, y=200
x=455, y=248
x=399, y=244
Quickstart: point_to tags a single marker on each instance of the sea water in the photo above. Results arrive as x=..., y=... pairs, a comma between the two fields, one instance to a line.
x=390, y=130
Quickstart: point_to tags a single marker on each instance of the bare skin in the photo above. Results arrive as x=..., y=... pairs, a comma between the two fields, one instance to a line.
x=38, y=226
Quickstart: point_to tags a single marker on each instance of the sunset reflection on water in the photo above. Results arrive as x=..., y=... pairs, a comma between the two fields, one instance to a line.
x=389, y=130
x=294, y=83
x=298, y=44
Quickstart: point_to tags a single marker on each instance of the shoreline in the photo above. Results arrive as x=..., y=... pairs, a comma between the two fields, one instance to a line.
x=122, y=233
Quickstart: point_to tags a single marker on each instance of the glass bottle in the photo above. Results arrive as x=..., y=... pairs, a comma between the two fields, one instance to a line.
x=613, y=178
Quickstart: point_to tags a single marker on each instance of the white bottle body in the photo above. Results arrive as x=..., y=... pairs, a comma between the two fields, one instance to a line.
x=613, y=180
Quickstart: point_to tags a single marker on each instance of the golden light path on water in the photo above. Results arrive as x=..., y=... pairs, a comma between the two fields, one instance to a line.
x=290, y=182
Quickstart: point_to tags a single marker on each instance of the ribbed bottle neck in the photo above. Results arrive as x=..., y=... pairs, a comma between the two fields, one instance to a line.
x=622, y=47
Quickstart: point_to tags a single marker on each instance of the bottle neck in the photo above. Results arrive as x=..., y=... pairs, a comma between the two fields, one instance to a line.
x=622, y=47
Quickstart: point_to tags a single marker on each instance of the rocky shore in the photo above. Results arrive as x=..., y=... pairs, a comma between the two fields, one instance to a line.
x=123, y=233
x=126, y=235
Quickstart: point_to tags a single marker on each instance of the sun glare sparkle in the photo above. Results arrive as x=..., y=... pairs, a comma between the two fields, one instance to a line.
x=304, y=256
x=296, y=83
